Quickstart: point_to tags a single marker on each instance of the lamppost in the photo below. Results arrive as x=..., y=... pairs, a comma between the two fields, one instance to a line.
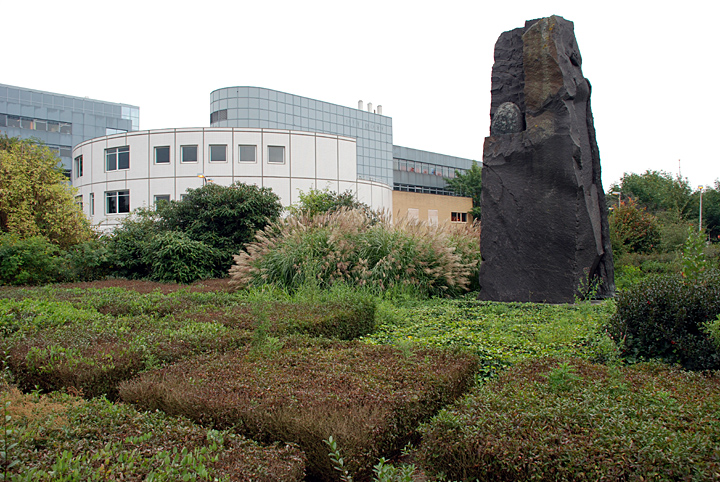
x=617, y=192
x=701, y=188
x=205, y=179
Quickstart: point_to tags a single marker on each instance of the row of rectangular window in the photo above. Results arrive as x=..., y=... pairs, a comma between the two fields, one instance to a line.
x=7, y=120
x=118, y=158
x=425, y=168
x=118, y=202
x=423, y=189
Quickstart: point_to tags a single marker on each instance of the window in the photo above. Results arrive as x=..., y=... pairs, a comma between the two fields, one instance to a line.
x=276, y=154
x=117, y=158
x=79, y=201
x=247, y=153
x=218, y=153
x=217, y=116
x=162, y=198
x=188, y=154
x=111, y=130
x=117, y=202
x=162, y=155
x=78, y=167
x=53, y=126
x=458, y=217
x=92, y=204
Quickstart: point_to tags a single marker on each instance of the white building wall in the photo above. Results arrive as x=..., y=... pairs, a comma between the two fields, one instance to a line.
x=311, y=161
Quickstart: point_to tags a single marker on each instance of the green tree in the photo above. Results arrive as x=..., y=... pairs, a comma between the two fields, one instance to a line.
x=657, y=191
x=317, y=201
x=469, y=184
x=35, y=196
x=711, y=210
x=632, y=229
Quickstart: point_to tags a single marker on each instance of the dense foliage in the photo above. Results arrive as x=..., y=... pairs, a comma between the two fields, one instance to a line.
x=633, y=229
x=549, y=420
x=317, y=201
x=36, y=198
x=35, y=260
x=58, y=437
x=663, y=317
x=194, y=238
x=353, y=247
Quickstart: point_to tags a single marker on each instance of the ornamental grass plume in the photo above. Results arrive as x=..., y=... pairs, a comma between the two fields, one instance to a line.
x=354, y=247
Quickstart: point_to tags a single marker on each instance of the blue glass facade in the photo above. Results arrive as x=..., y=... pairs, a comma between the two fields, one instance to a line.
x=258, y=107
x=425, y=172
x=61, y=121
x=378, y=160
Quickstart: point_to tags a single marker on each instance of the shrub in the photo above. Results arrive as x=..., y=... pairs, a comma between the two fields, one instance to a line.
x=29, y=261
x=370, y=398
x=129, y=245
x=351, y=247
x=222, y=217
x=632, y=229
x=549, y=419
x=317, y=201
x=177, y=258
x=194, y=238
x=60, y=437
x=662, y=317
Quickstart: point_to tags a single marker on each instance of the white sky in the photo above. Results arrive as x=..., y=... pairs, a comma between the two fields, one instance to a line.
x=654, y=66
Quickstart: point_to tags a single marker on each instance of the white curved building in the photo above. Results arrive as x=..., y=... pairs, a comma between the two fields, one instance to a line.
x=118, y=173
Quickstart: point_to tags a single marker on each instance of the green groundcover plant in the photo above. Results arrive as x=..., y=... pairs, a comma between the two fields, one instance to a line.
x=500, y=334
x=567, y=419
x=355, y=248
x=59, y=437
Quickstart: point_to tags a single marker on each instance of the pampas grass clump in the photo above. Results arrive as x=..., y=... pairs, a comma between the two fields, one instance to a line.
x=350, y=246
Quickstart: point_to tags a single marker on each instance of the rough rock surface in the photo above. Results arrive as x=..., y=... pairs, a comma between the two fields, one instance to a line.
x=544, y=223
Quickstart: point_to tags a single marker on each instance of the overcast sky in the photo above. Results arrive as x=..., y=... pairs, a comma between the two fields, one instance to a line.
x=653, y=66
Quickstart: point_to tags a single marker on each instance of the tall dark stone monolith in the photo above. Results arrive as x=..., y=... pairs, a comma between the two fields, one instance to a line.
x=544, y=221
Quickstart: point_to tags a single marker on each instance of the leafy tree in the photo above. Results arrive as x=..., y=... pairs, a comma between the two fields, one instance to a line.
x=632, y=229
x=35, y=197
x=469, y=184
x=317, y=201
x=711, y=210
x=657, y=191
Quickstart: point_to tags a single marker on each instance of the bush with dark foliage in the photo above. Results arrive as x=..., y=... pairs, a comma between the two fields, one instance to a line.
x=662, y=317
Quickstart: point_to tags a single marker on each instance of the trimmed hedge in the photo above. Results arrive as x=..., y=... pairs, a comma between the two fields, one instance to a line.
x=662, y=317
x=60, y=437
x=91, y=340
x=551, y=419
x=369, y=398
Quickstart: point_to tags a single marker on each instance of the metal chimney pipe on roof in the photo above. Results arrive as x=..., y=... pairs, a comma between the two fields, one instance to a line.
x=370, y=107
x=360, y=105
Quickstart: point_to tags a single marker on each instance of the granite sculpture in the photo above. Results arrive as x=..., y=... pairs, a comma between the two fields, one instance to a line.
x=545, y=234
